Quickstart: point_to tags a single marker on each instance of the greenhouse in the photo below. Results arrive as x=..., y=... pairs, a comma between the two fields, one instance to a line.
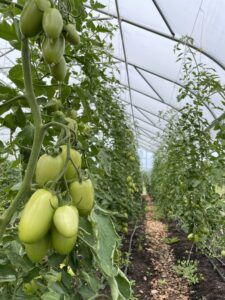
x=112, y=149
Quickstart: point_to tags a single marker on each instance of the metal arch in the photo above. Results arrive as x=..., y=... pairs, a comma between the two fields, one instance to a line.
x=145, y=122
x=162, y=34
x=145, y=110
x=148, y=134
x=151, y=97
x=125, y=58
x=141, y=111
x=160, y=76
x=147, y=131
x=149, y=84
x=163, y=17
x=142, y=144
x=145, y=116
x=146, y=148
x=216, y=121
x=148, y=141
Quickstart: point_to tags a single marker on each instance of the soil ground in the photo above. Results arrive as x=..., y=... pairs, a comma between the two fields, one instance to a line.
x=153, y=260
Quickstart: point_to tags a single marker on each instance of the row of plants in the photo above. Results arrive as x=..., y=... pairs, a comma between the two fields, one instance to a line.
x=71, y=175
x=188, y=169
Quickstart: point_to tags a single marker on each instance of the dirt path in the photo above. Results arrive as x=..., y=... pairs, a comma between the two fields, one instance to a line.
x=165, y=284
x=152, y=262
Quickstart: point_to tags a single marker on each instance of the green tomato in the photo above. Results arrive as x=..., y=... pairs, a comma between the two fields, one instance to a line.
x=30, y=288
x=37, y=216
x=82, y=196
x=48, y=168
x=38, y=250
x=53, y=50
x=129, y=179
x=75, y=157
x=31, y=18
x=60, y=243
x=66, y=220
x=132, y=158
x=52, y=23
x=59, y=70
x=223, y=253
x=71, y=34
x=125, y=230
x=193, y=237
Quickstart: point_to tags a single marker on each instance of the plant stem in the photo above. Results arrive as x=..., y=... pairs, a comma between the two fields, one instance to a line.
x=11, y=3
x=39, y=132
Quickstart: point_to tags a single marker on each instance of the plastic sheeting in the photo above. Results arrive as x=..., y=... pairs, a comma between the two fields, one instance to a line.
x=149, y=30
x=144, y=42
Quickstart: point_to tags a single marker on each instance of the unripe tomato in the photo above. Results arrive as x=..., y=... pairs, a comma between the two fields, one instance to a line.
x=37, y=216
x=223, y=253
x=53, y=50
x=82, y=196
x=30, y=288
x=48, y=168
x=52, y=23
x=125, y=230
x=66, y=220
x=58, y=71
x=60, y=243
x=31, y=18
x=129, y=178
x=76, y=158
x=71, y=34
x=37, y=250
x=193, y=237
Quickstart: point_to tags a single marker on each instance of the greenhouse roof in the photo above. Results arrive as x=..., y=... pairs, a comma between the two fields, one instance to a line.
x=147, y=32
x=144, y=48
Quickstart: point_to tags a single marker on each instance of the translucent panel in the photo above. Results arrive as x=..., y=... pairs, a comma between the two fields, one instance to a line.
x=147, y=127
x=150, y=51
x=149, y=118
x=148, y=103
x=136, y=81
x=117, y=42
x=203, y=20
x=142, y=12
x=164, y=87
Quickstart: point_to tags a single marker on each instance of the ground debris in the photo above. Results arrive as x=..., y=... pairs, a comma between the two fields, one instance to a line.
x=165, y=284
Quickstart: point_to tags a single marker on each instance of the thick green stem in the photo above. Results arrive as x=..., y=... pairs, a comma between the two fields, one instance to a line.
x=38, y=139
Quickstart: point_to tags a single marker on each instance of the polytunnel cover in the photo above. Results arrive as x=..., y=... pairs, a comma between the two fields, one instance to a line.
x=144, y=49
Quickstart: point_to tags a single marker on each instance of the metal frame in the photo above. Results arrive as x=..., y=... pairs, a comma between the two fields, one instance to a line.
x=153, y=125
x=137, y=68
x=164, y=18
x=148, y=141
x=153, y=98
x=125, y=57
x=141, y=110
x=164, y=35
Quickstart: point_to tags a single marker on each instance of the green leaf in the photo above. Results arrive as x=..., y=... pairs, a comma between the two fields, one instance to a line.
x=16, y=76
x=7, y=31
x=107, y=241
x=7, y=273
x=50, y=296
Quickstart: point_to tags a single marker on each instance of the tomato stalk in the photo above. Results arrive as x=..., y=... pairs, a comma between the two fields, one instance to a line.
x=39, y=132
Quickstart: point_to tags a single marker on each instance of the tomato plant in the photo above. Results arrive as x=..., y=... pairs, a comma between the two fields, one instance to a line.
x=63, y=109
x=189, y=164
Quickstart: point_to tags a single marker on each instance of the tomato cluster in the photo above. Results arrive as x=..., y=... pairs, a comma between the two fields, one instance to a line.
x=44, y=224
x=38, y=16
